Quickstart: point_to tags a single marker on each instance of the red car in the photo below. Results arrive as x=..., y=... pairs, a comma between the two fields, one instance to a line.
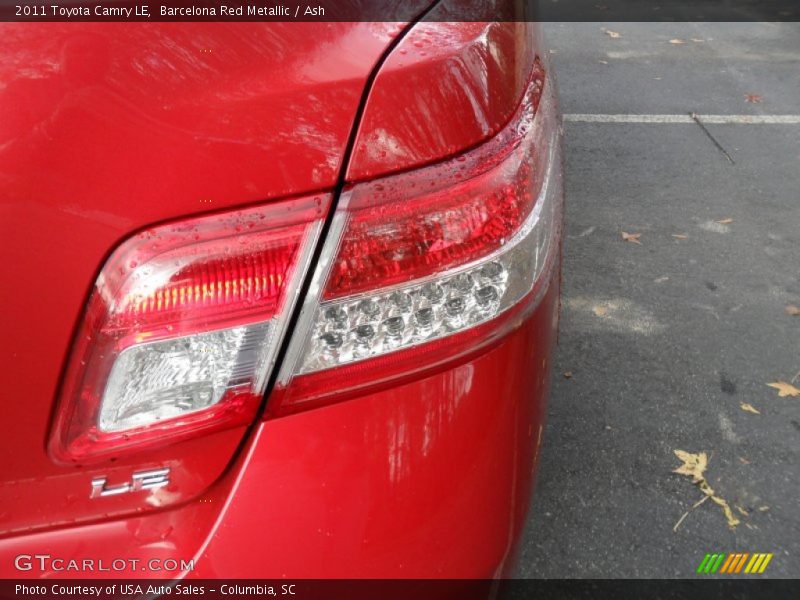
x=278, y=298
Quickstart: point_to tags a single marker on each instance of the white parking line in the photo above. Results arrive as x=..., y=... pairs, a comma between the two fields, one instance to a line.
x=708, y=119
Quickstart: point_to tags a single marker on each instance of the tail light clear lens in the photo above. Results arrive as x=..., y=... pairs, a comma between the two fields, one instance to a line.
x=430, y=264
x=182, y=328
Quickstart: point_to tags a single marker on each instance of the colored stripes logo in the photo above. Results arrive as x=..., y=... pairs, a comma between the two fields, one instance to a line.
x=742, y=562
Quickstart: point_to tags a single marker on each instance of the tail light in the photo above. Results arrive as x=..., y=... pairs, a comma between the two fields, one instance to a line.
x=429, y=265
x=182, y=327
x=418, y=269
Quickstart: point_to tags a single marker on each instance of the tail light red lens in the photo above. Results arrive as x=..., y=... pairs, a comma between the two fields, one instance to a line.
x=430, y=264
x=182, y=328
x=433, y=219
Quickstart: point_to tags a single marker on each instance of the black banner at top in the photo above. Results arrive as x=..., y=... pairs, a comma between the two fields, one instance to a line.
x=399, y=10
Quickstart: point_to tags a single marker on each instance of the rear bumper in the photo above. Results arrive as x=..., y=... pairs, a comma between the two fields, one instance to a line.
x=430, y=479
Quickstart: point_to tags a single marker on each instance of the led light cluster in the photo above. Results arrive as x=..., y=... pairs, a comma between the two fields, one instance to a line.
x=359, y=327
x=354, y=329
x=368, y=325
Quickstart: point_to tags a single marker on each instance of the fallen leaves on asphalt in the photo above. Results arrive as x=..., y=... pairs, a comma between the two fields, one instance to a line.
x=750, y=408
x=631, y=237
x=727, y=221
x=676, y=41
x=753, y=98
x=567, y=374
x=680, y=236
x=722, y=503
x=792, y=310
x=612, y=34
x=694, y=466
x=785, y=389
x=600, y=311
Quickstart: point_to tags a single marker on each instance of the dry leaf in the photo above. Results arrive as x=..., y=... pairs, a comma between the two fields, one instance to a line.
x=791, y=309
x=743, y=460
x=680, y=236
x=600, y=311
x=784, y=389
x=706, y=489
x=694, y=465
x=567, y=374
x=753, y=98
x=698, y=40
x=763, y=508
x=631, y=237
x=676, y=41
x=724, y=221
x=611, y=34
x=742, y=511
x=750, y=408
x=732, y=520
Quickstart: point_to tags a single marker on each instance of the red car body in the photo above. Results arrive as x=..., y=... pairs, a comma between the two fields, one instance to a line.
x=110, y=129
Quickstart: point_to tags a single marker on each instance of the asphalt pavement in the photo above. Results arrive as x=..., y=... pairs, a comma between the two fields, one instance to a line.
x=664, y=340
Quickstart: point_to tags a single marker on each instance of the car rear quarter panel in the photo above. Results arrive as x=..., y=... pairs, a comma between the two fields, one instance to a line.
x=110, y=127
x=428, y=479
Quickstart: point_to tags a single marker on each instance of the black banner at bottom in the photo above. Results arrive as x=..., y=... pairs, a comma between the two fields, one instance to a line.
x=414, y=589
